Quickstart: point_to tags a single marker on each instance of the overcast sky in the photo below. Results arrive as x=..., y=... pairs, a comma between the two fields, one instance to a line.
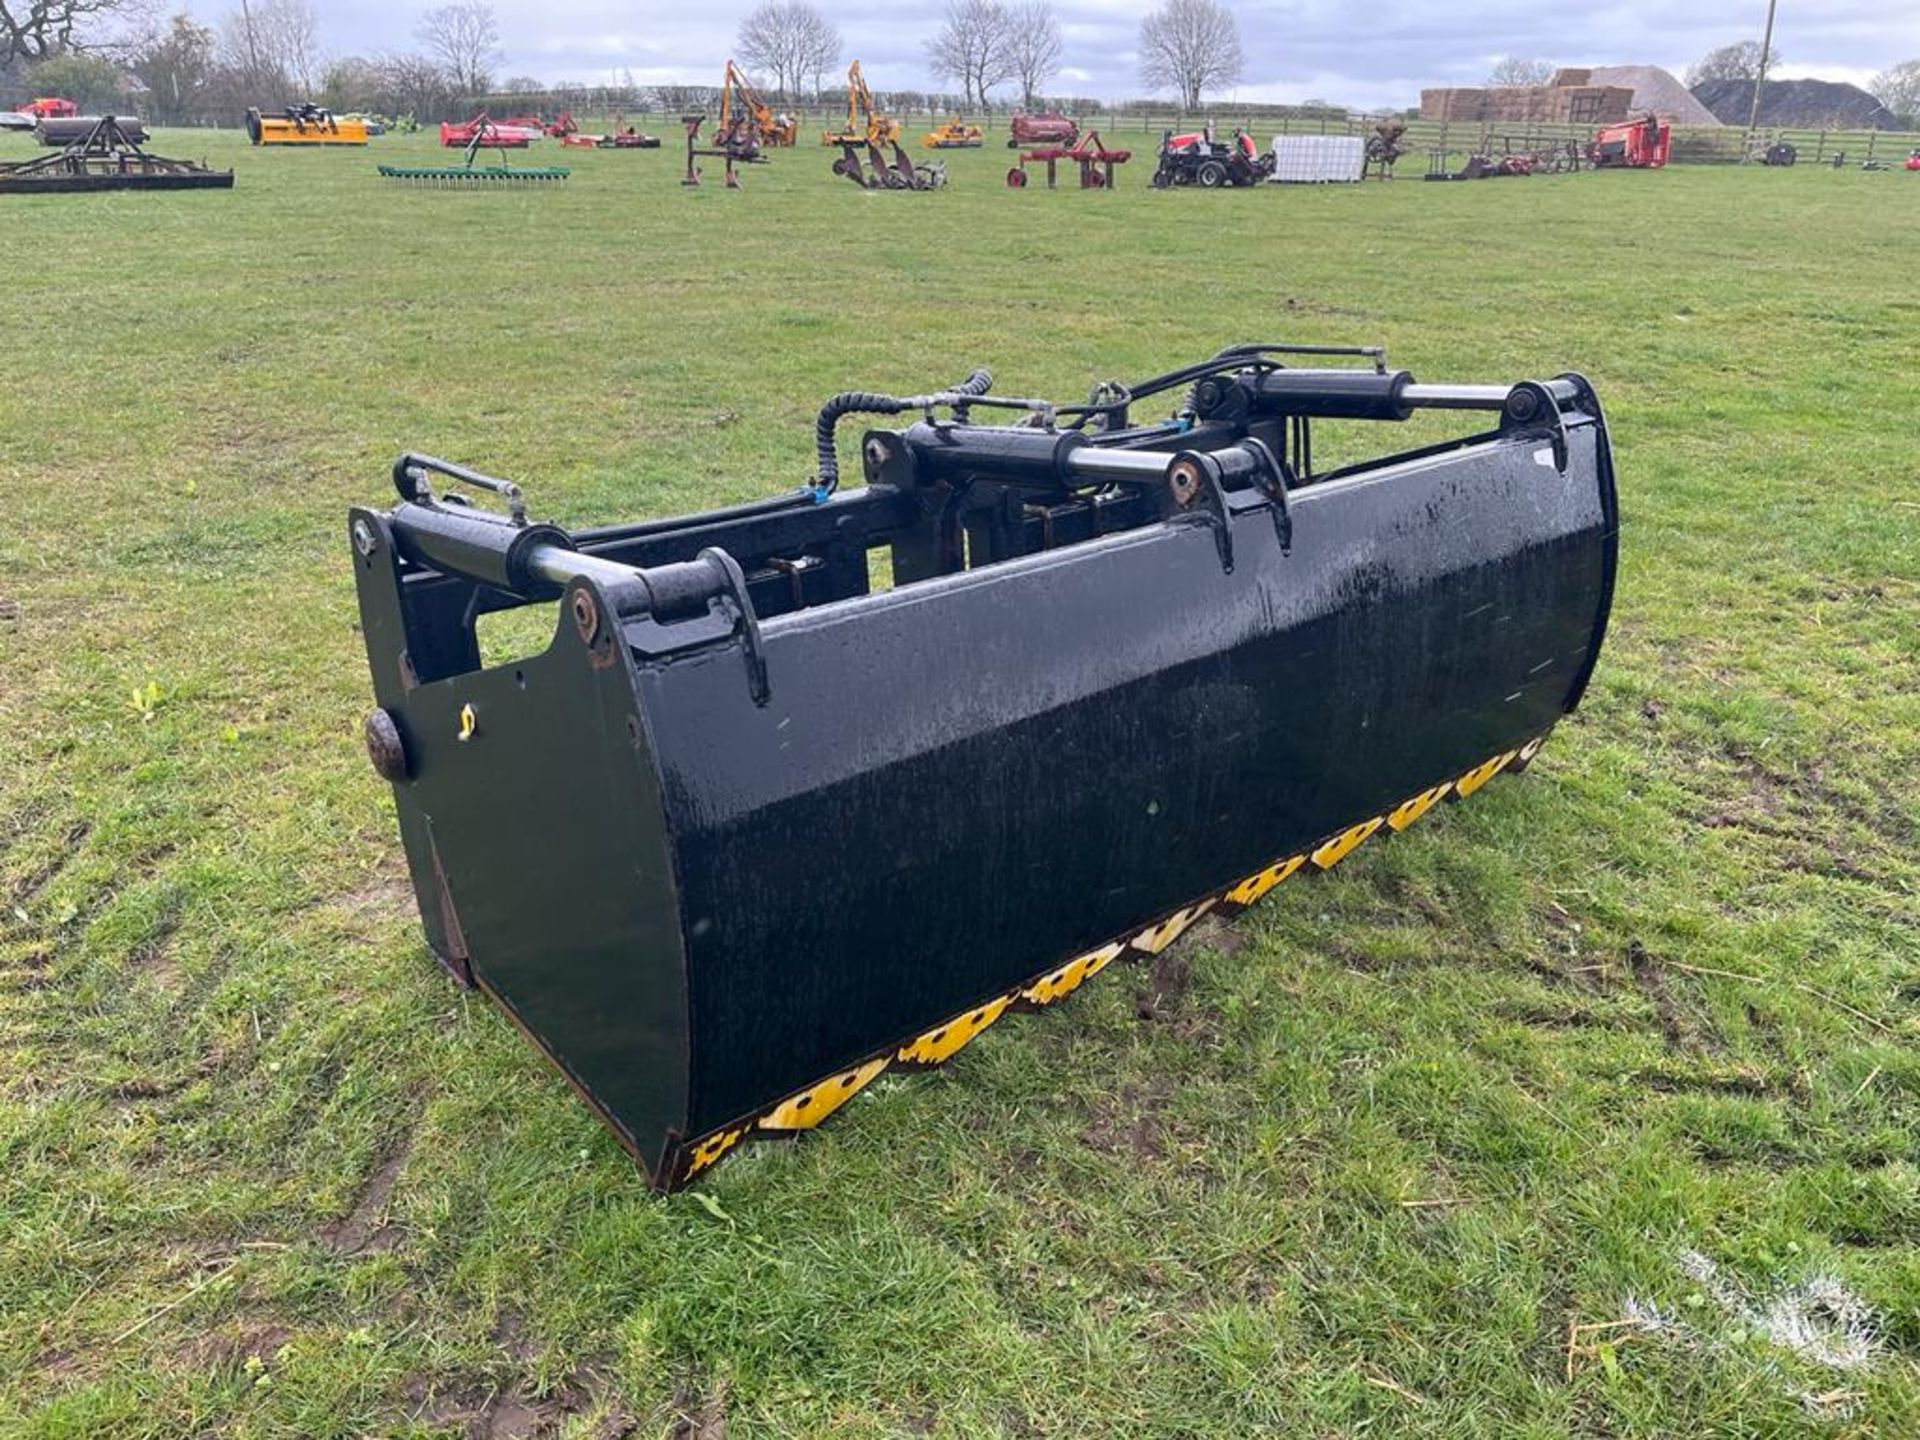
x=1366, y=55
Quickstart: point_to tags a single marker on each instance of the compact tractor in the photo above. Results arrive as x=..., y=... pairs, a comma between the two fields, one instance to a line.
x=1202, y=158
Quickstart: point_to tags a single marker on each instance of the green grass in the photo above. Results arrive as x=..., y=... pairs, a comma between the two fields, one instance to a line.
x=264, y=1173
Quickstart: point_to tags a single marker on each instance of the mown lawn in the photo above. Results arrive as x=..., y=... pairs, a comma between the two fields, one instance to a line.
x=1355, y=1166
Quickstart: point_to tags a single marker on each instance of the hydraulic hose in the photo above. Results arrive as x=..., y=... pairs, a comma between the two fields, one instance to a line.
x=866, y=402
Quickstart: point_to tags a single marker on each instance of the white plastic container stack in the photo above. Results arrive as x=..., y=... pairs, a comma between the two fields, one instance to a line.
x=1318, y=159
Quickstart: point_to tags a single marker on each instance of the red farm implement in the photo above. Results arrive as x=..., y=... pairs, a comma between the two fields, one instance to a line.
x=1090, y=152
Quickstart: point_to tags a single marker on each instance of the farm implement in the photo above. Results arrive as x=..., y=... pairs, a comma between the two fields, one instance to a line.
x=879, y=172
x=1048, y=127
x=473, y=176
x=307, y=124
x=1089, y=152
x=737, y=143
x=107, y=158
x=494, y=134
x=865, y=125
x=746, y=118
x=953, y=135
x=752, y=830
x=56, y=132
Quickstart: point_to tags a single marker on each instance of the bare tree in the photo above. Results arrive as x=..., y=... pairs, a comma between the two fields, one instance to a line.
x=176, y=65
x=791, y=41
x=36, y=29
x=972, y=47
x=412, y=84
x=1518, y=70
x=465, y=38
x=1898, y=88
x=1190, y=46
x=1033, y=47
x=1732, y=62
x=272, y=45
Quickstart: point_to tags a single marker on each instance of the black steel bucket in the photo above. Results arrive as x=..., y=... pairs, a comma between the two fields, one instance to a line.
x=750, y=832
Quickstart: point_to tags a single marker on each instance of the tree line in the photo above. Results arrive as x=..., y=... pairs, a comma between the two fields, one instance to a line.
x=268, y=52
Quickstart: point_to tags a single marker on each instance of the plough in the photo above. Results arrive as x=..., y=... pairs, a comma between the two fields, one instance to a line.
x=1090, y=152
x=754, y=830
x=901, y=172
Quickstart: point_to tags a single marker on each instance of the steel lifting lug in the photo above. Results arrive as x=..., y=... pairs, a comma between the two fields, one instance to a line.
x=1270, y=474
x=746, y=624
x=1532, y=405
x=1193, y=485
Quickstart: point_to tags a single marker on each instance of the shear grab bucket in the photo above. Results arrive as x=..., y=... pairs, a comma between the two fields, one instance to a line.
x=754, y=829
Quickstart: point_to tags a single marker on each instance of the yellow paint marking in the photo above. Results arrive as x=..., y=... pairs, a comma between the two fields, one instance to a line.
x=941, y=1041
x=1408, y=811
x=1056, y=984
x=1254, y=886
x=711, y=1149
x=1345, y=843
x=1156, y=938
x=1480, y=774
x=811, y=1106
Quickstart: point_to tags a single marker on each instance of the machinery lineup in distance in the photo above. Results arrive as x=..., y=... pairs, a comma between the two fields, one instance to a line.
x=723, y=899
x=872, y=154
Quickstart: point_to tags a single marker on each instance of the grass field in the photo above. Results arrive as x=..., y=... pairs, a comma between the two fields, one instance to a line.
x=1536, y=1066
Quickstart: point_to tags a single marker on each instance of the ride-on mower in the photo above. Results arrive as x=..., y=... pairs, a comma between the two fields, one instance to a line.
x=753, y=829
x=1201, y=158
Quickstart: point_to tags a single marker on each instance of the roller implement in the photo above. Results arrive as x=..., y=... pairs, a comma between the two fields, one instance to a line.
x=107, y=158
x=756, y=827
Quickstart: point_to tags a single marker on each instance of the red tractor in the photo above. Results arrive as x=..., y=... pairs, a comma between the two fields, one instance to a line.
x=1637, y=145
x=50, y=109
x=1202, y=158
